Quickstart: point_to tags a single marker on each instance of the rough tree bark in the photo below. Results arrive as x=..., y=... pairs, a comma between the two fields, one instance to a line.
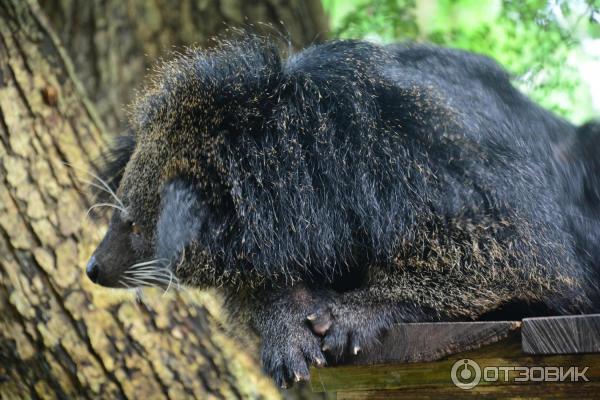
x=113, y=42
x=59, y=336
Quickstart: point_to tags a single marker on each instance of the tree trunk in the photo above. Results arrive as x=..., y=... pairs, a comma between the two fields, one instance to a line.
x=113, y=42
x=61, y=337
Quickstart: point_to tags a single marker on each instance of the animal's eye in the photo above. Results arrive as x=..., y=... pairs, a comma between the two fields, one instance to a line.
x=135, y=229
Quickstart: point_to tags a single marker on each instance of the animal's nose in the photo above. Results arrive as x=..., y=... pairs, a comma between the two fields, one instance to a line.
x=92, y=269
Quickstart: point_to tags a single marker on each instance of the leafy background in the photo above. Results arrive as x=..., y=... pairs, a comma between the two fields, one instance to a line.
x=552, y=48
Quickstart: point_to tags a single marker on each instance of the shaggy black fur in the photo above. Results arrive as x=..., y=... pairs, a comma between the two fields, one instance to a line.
x=361, y=185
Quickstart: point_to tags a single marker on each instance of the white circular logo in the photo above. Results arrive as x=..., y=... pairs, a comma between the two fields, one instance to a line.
x=466, y=374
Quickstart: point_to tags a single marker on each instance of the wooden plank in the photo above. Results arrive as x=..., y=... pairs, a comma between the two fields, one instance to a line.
x=419, y=342
x=415, y=361
x=586, y=391
x=561, y=335
x=436, y=375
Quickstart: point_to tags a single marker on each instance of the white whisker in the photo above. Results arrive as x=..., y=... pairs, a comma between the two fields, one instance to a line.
x=157, y=260
x=169, y=285
x=149, y=275
x=104, y=205
x=106, y=186
x=138, y=282
x=149, y=268
x=134, y=284
x=142, y=271
x=94, y=184
x=154, y=272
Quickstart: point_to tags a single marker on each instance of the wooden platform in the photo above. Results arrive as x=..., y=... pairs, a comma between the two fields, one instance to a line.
x=550, y=357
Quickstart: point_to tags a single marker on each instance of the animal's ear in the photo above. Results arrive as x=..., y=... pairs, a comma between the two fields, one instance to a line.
x=179, y=219
x=112, y=165
x=586, y=150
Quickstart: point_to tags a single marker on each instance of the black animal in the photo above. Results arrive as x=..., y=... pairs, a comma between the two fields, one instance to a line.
x=338, y=190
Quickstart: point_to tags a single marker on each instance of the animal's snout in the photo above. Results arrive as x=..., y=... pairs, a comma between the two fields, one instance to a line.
x=93, y=269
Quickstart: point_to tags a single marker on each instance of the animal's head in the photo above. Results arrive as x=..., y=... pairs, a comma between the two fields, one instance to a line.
x=173, y=180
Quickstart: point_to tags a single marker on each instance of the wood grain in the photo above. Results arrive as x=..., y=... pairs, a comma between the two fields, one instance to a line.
x=434, y=378
x=414, y=361
x=419, y=342
x=588, y=391
x=561, y=335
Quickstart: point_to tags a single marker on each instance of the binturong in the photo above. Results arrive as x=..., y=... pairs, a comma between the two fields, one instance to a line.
x=333, y=192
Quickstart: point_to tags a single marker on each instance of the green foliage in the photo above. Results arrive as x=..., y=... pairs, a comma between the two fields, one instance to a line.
x=539, y=41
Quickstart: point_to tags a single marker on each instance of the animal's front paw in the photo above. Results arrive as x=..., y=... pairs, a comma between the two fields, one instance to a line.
x=289, y=347
x=288, y=353
x=347, y=329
